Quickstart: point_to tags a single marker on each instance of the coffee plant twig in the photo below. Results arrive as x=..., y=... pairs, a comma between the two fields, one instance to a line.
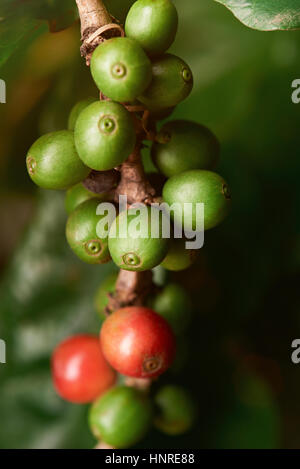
x=132, y=287
x=96, y=23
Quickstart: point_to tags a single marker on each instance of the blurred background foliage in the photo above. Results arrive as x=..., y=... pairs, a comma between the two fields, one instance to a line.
x=245, y=285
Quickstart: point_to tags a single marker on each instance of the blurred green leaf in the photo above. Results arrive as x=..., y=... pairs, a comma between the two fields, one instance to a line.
x=56, y=11
x=119, y=8
x=13, y=32
x=252, y=420
x=59, y=14
x=19, y=20
x=46, y=295
x=266, y=15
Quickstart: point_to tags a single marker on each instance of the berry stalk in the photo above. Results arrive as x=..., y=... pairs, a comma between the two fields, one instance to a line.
x=93, y=14
x=131, y=287
x=96, y=23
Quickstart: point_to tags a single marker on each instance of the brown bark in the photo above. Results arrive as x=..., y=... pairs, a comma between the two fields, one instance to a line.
x=132, y=289
x=133, y=182
x=96, y=26
x=101, y=182
x=93, y=15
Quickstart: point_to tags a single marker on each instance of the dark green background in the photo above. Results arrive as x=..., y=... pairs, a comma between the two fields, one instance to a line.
x=245, y=285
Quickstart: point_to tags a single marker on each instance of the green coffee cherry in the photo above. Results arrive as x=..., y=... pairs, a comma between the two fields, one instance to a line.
x=177, y=410
x=199, y=186
x=104, y=135
x=173, y=303
x=76, y=110
x=121, y=69
x=82, y=235
x=178, y=257
x=184, y=145
x=78, y=194
x=153, y=24
x=172, y=82
x=53, y=162
x=101, y=299
x=137, y=250
x=121, y=417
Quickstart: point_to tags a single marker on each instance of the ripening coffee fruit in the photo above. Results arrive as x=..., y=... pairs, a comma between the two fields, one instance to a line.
x=78, y=194
x=179, y=257
x=79, y=370
x=81, y=233
x=199, y=186
x=176, y=410
x=121, y=417
x=104, y=135
x=121, y=69
x=183, y=145
x=135, y=239
x=174, y=305
x=76, y=110
x=153, y=24
x=53, y=162
x=101, y=299
x=137, y=342
x=172, y=82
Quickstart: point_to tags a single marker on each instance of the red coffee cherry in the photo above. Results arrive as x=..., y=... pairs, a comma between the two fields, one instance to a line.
x=79, y=370
x=137, y=342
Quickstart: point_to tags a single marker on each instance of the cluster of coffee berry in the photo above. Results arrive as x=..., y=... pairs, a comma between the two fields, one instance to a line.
x=139, y=85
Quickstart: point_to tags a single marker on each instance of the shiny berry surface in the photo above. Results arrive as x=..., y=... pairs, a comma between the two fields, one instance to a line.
x=121, y=69
x=79, y=369
x=199, y=186
x=78, y=194
x=172, y=82
x=177, y=138
x=53, y=162
x=104, y=135
x=153, y=24
x=76, y=110
x=137, y=253
x=121, y=417
x=82, y=236
x=137, y=342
